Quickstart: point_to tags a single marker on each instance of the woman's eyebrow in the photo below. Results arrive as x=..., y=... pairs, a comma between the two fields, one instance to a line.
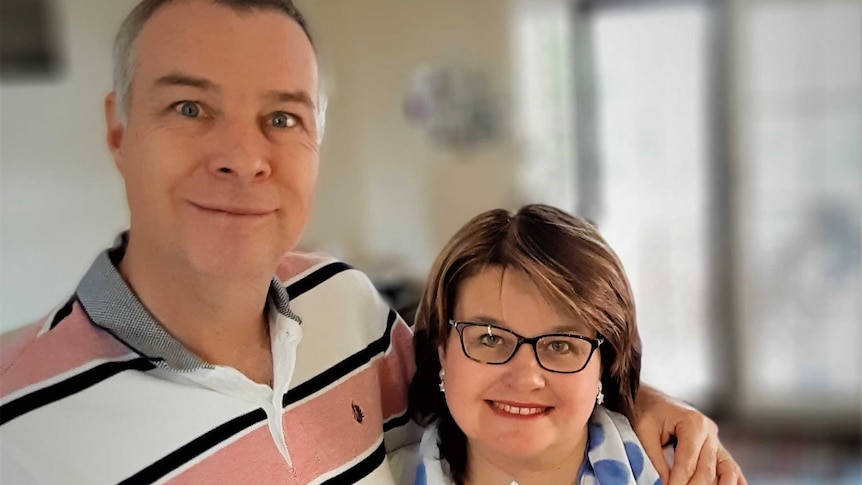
x=579, y=329
x=480, y=318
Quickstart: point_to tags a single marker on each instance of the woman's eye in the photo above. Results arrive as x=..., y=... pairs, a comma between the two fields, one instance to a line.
x=489, y=340
x=284, y=120
x=560, y=347
x=188, y=109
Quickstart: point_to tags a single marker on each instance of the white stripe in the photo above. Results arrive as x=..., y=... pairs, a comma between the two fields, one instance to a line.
x=339, y=381
x=341, y=317
x=115, y=429
x=333, y=384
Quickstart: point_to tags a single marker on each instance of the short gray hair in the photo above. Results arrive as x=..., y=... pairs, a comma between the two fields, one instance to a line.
x=124, y=46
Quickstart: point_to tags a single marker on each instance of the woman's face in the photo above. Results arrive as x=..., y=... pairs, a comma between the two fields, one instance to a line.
x=518, y=411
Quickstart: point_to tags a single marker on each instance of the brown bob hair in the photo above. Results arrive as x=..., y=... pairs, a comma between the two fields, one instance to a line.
x=571, y=265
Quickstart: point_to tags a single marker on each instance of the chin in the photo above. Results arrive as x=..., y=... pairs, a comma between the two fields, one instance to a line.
x=238, y=266
x=514, y=456
x=522, y=449
x=234, y=257
x=516, y=445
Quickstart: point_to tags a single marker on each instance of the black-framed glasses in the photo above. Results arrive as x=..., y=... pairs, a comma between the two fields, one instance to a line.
x=564, y=353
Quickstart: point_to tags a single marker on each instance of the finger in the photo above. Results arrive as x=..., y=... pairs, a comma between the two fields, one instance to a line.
x=727, y=474
x=728, y=471
x=691, y=440
x=706, y=463
x=650, y=437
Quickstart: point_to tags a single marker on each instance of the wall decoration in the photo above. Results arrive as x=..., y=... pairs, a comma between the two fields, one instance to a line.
x=455, y=105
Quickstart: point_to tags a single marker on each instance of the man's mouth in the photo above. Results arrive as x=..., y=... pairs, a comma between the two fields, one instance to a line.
x=234, y=210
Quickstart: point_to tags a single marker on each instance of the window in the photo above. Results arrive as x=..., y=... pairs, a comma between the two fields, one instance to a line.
x=653, y=163
x=800, y=206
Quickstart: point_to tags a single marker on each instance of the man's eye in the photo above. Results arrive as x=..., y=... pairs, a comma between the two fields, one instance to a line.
x=188, y=109
x=284, y=120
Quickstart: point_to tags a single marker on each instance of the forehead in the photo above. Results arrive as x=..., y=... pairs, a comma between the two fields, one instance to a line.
x=255, y=49
x=510, y=297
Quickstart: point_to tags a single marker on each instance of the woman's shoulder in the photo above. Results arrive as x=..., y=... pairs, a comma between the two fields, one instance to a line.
x=604, y=417
x=612, y=437
x=431, y=470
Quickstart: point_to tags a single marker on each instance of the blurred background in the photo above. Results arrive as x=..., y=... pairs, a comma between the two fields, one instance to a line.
x=716, y=144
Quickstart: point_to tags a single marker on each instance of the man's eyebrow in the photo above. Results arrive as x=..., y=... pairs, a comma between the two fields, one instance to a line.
x=300, y=97
x=180, y=79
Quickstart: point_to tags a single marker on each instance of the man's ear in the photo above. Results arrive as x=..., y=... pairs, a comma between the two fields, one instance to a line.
x=116, y=129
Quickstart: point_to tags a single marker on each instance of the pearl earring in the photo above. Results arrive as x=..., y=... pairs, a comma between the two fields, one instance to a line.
x=600, y=398
x=442, y=386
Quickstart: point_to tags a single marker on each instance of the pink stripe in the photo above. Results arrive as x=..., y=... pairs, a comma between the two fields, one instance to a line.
x=71, y=344
x=322, y=434
x=15, y=342
x=296, y=263
x=253, y=454
x=397, y=370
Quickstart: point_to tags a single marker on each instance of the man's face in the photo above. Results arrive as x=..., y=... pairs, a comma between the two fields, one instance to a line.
x=219, y=153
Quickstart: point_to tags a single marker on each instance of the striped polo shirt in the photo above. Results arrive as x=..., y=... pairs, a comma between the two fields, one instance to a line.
x=98, y=392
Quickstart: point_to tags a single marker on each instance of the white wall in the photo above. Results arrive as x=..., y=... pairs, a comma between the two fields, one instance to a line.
x=60, y=198
x=413, y=196
x=384, y=193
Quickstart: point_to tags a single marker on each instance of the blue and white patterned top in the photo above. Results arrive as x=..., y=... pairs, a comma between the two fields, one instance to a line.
x=614, y=456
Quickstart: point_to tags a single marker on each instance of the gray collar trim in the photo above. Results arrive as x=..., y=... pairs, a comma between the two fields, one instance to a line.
x=112, y=306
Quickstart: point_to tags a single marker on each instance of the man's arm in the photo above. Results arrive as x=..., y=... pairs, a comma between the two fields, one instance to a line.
x=11, y=469
x=699, y=457
x=401, y=434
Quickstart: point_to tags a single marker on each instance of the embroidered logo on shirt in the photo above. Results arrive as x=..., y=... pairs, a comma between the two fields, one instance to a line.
x=357, y=412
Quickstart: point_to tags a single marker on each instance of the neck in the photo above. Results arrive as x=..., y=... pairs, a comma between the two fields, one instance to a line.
x=557, y=467
x=223, y=321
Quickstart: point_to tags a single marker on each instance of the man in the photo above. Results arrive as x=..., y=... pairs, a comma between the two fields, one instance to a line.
x=195, y=351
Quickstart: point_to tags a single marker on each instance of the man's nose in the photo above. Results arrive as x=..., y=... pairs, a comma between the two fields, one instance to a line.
x=240, y=151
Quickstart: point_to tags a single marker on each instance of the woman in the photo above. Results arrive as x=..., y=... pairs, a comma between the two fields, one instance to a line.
x=528, y=357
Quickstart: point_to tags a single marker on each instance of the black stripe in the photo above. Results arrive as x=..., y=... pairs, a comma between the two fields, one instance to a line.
x=396, y=422
x=65, y=311
x=196, y=447
x=309, y=282
x=68, y=387
x=342, y=368
x=362, y=469
x=216, y=436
